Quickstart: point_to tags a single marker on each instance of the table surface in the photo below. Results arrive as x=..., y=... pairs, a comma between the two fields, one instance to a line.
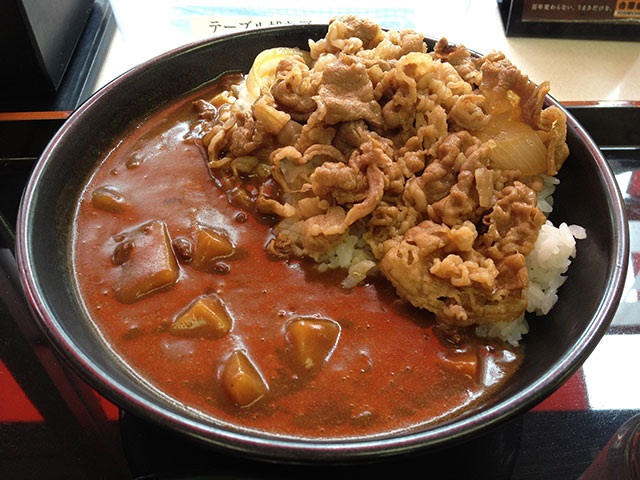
x=579, y=70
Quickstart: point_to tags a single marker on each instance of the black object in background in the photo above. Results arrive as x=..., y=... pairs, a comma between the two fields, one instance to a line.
x=81, y=71
x=38, y=39
x=595, y=19
x=24, y=136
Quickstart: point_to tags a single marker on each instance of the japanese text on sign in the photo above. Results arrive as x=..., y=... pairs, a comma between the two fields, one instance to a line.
x=206, y=26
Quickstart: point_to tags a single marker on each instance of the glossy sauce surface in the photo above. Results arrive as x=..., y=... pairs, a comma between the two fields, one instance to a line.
x=391, y=368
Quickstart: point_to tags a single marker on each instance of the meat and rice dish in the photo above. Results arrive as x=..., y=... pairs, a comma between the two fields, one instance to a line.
x=355, y=218
x=427, y=164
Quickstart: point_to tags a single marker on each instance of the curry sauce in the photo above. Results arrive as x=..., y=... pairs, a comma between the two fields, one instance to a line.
x=280, y=347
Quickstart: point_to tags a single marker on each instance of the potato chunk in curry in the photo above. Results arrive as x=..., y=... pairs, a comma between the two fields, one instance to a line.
x=242, y=380
x=210, y=247
x=313, y=340
x=150, y=263
x=205, y=317
x=109, y=199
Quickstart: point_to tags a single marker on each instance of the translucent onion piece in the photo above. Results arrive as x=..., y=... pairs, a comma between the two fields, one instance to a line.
x=518, y=146
x=264, y=66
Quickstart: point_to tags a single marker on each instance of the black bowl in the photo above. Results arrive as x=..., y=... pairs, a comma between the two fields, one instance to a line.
x=555, y=348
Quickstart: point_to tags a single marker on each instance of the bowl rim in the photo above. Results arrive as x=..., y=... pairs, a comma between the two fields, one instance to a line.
x=294, y=449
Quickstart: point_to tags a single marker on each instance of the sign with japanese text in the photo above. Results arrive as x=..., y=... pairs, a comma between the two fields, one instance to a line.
x=212, y=25
x=603, y=11
x=205, y=23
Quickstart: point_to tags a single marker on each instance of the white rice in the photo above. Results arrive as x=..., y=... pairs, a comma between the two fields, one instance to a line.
x=511, y=332
x=353, y=255
x=545, y=197
x=550, y=259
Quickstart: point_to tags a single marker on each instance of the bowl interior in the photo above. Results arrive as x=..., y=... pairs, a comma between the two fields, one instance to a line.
x=555, y=347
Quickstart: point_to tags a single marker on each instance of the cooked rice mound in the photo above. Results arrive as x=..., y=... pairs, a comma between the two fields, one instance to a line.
x=379, y=157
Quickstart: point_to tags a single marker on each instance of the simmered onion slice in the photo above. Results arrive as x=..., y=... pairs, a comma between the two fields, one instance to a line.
x=517, y=146
x=264, y=67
